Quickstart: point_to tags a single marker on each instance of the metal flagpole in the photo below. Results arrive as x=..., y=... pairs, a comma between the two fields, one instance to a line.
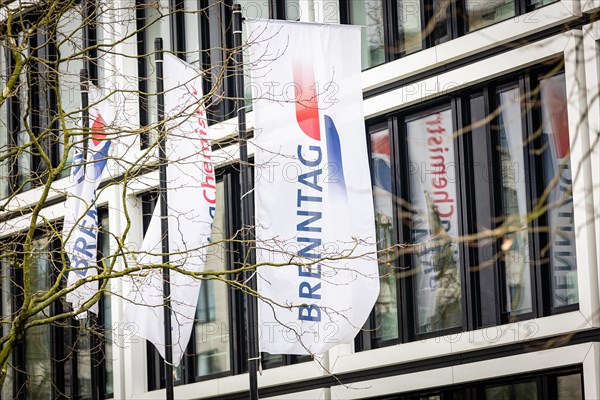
x=164, y=222
x=84, y=84
x=245, y=186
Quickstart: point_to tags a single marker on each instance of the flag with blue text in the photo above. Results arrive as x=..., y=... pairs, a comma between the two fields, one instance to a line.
x=80, y=227
x=314, y=202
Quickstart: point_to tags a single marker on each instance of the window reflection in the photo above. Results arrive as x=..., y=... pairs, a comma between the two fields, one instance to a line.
x=386, y=307
x=525, y=390
x=434, y=221
x=409, y=27
x=212, y=321
x=6, y=297
x=485, y=13
x=84, y=361
x=38, y=361
x=561, y=254
x=369, y=14
x=569, y=387
x=515, y=244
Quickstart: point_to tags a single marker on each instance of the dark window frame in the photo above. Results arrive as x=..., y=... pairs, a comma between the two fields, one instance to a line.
x=455, y=26
x=545, y=381
x=527, y=81
x=63, y=334
x=42, y=97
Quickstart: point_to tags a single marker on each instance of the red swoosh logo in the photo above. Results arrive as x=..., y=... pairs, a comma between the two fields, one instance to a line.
x=98, y=132
x=307, y=104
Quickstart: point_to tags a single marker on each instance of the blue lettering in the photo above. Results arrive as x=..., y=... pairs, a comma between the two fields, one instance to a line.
x=302, y=198
x=303, y=226
x=81, y=246
x=308, y=163
x=313, y=243
x=307, y=271
x=305, y=313
x=309, y=292
x=314, y=175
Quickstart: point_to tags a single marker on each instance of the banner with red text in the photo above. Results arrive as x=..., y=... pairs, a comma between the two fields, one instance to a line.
x=315, y=226
x=191, y=200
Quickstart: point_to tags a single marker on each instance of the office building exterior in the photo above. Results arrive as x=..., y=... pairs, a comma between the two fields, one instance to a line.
x=514, y=313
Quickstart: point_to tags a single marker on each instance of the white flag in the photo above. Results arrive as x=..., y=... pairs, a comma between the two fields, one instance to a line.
x=191, y=197
x=80, y=229
x=314, y=202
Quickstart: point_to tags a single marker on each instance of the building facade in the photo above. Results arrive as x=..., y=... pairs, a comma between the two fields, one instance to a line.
x=517, y=312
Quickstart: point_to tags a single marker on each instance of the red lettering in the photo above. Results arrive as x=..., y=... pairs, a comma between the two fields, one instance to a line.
x=445, y=215
x=210, y=200
x=440, y=183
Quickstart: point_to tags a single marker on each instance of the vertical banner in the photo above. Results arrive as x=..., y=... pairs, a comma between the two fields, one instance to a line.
x=80, y=227
x=192, y=200
x=315, y=230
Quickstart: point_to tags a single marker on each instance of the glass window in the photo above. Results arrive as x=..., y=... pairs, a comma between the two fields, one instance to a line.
x=569, y=387
x=214, y=23
x=6, y=299
x=41, y=270
x=149, y=27
x=386, y=308
x=515, y=244
x=211, y=329
x=434, y=222
x=84, y=360
x=108, y=346
x=69, y=39
x=23, y=162
x=105, y=306
x=558, y=183
x=38, y=361
x=369, y=14
x=4, y=129
x=485, y=13
x=525, y=390
x=37, y=346
x=539, y=3
x=442, y=16
x=409, y=28
x=484, y=267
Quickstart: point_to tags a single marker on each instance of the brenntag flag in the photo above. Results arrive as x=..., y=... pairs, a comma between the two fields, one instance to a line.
x=191, y=200
x=314, y=203
x=80, y=228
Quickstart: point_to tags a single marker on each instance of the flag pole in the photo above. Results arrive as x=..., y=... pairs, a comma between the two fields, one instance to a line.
x=245, y=187
x=84, y=84
x=164, y=222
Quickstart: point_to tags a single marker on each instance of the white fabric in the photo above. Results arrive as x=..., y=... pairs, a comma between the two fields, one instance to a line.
x=80, y=230
x=191, y=196
x=313, y=207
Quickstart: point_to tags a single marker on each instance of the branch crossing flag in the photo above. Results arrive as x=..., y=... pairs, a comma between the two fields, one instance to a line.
x=80, y=228
x=191, y=206
x=314, y=202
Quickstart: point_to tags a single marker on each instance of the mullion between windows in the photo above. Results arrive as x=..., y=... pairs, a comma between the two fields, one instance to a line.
x=458, y=109
x=401, y=191
x=399, y=236
x=142, y=21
